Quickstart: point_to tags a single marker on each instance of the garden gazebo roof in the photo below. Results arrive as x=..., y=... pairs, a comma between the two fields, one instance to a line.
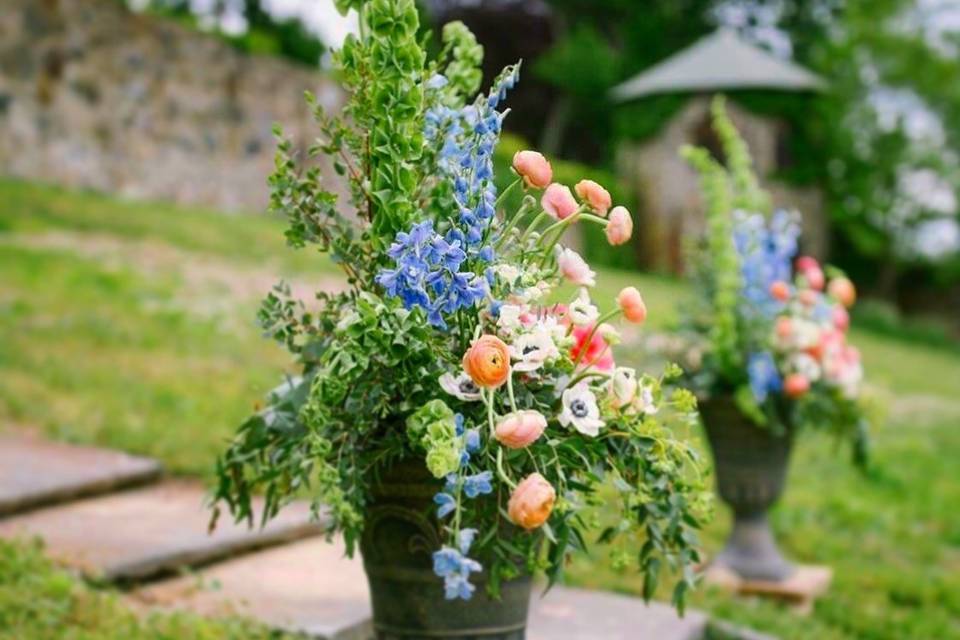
x=717, y=62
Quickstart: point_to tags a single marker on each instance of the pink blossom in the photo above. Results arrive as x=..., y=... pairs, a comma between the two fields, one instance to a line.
x=843, y=291
x=520, y=429
x=841, y=319
x=593, y=194
x=575, y=269
x=620, y=227
x=632, y=305
x=795, y=385
x=533, y=168
x=558, y=201
x=597, y=354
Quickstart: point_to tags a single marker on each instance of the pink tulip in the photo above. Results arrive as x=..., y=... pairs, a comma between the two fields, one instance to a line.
x=593, y=194
x=533, y=168
x=632, y=305
x=520, y=429
x=531, y=502
x=620, y=227
x=575, y=269
x=558, y=202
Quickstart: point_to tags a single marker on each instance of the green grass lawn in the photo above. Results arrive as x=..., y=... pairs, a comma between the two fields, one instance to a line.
x=131, y=326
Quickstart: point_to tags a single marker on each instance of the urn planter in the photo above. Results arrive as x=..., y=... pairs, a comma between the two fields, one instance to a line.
x=401, y=532
x=750, y=464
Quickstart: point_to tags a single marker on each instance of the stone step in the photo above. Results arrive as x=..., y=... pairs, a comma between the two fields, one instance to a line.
x=140, y=533
x=35, y=472
x=311, y=588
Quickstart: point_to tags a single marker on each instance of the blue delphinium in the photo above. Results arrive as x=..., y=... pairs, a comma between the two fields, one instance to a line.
x=763, y=374
x=427, y=271
x=765, y=253
x=453, y=565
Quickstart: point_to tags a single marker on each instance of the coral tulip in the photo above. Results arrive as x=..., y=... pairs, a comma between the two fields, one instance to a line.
x=843, y=291
x=780, y=290
x=795, y=385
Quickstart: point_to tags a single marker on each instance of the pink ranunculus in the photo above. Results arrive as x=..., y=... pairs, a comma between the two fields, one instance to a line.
x=841, y=319
x=593, y=194
x=784, y=327
x=575, y=269
x=558, y=201
x=810, y=270
x=597, y=355
x=632, y=305
x=533, y=168
x=620, y=227
x=531, y=502
x=520, y=429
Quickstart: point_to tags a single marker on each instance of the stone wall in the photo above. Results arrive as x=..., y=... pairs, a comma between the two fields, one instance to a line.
x=93, y=95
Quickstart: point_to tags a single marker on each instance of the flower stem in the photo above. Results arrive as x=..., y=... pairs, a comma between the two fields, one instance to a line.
x=513, y=402
x=504, y=193
x=503, y=474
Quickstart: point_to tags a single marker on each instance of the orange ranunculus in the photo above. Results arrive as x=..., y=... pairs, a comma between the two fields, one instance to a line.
x=780, y=290
x=487, y=362
x=531, y=502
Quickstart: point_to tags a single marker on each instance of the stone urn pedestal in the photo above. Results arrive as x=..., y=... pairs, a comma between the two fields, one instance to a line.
x=751, y=466
x=401, y=532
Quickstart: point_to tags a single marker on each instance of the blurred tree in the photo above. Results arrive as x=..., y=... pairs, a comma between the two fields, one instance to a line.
x=260, y=31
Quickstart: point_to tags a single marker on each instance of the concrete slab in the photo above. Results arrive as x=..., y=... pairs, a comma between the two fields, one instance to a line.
x=311, y=588
x=578, y=614
x=140, y=533
x=308, y=587
x=36, y=472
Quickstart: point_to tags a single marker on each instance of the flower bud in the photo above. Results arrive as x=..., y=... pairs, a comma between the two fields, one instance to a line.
x=632, y=305
x=843, y=291
x=520, y=429
x=558, y=202
x=533, y=168
x=593, y=194
x=620, y=227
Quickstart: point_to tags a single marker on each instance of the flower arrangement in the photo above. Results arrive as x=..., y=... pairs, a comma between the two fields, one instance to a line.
x=454, y=344
x=770, y=329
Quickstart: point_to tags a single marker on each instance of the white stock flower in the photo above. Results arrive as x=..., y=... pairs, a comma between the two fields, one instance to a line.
x=580, y=410
x=805, y=365
x=460, y=386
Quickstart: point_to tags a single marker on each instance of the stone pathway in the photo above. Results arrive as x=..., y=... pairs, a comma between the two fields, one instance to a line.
x=286, y=575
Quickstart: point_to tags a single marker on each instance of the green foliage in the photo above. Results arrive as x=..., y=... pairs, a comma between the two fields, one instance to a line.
x=466, y=55
x=39, y=601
